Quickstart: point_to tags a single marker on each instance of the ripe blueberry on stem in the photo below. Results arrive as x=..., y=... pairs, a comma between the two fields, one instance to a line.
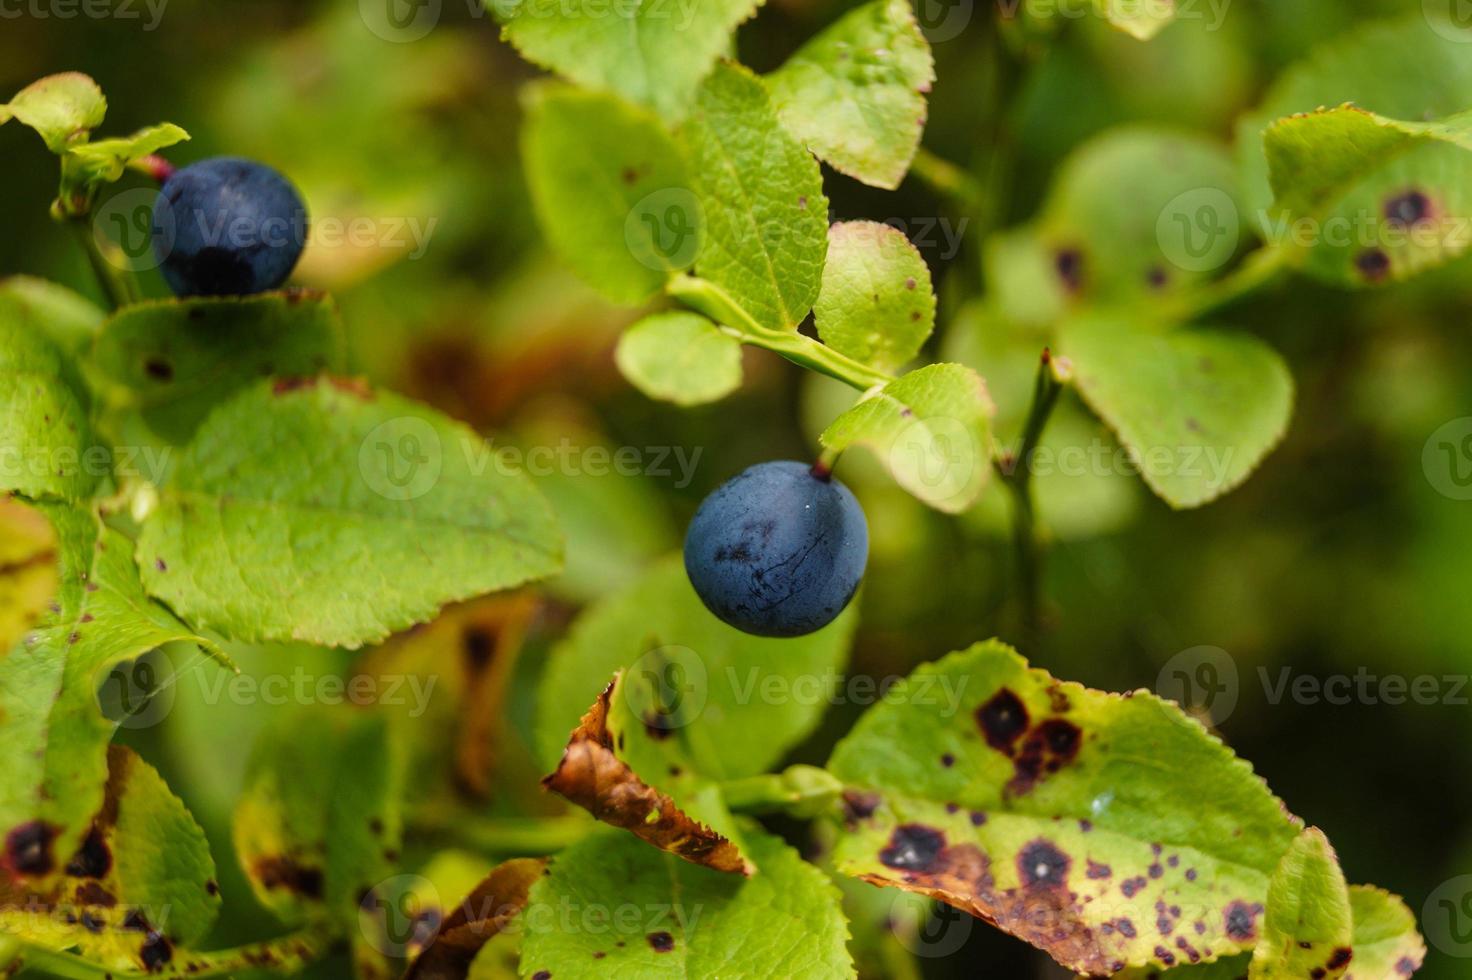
x=779, y=550
x=227, y=227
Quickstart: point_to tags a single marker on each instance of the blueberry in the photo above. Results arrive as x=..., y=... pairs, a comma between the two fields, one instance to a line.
x=227, y=227
x=777, y=551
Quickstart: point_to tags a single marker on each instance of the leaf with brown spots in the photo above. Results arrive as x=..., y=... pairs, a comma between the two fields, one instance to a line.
x=593, y=774
x=488, y=909
x=136, y=889
x=1308, y=927
x=70, y=681
x=1110, y=831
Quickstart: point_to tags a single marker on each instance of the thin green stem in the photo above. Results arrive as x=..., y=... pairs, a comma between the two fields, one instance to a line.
x=1016, y=473
x=949, y=179
x=506, y=835
x=286, y=954
x=1257, y=270
x=108, y=264
x=710, y=299
x=798, y=790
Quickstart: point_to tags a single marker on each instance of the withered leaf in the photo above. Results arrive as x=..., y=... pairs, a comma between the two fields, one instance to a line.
x=489, y=908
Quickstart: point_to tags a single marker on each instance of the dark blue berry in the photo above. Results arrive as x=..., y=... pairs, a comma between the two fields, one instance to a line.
x=777, y=551
x=228, y=227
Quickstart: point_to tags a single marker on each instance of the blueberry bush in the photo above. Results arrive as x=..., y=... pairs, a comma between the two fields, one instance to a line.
x=516, y=731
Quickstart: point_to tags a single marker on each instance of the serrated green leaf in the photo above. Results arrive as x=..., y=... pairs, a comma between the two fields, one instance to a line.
x=651, y=52
x=51, y=712
x=687, y=921
x=1197, y=409
x=855, y=94
x=1308, y=927
x=260, y=534
x=177, y=359
x=60, y=108
x=1383, y=199
x=766, y=219
x=611, y=189
x=1412, y=67
x=47, y=448
x=143, y=885
x=1386, y=943
x=105, y=160
x=930, y=428
x=319, y=818
x=1136, y=216
x=1106, y=830
x=877, y=304
x=681, y=358
x=732, y=724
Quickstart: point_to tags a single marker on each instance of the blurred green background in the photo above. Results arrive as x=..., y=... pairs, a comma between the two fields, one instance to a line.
x=1339, y=554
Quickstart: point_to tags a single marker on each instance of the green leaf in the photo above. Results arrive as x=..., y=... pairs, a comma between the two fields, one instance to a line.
x=681, y=358
x=855, y=94
x=1088, y=824
x=766, y=219
x=143, y=884
x=69, y=320
x=1140, y=19
x=784, y=921
x=46, y=443
x=28, y=575
x=876, y=305
x=652, y=52
x=731, y=724
x=62, y=108
x=1382, y=199
x=1137, y=215
x=177, y=359
x=1198, y=409
x=611, y=189
x=931, y=429
x=104, y=161
x=1308, y=928
x=52, y=684
x=318, y=821
x=262, y=533
x=1412, y=67
x=1386, y=942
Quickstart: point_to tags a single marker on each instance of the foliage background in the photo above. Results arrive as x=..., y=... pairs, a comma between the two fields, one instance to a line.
x=1338, y=554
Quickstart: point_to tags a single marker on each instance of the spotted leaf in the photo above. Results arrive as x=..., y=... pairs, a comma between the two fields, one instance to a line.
x=140, y=885
x=489, y=908
x=1109, y=831
x=687, y=921
x=877, y=305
